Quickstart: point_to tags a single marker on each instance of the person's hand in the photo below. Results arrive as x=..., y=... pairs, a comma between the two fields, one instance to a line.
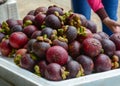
x=112, y=25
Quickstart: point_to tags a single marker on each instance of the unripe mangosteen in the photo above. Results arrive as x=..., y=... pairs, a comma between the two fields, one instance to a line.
x=87, y=63
x=57, y=54
x=92, y=47
x=102, y=63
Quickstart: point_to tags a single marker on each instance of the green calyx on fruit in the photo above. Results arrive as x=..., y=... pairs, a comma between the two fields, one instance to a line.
x=17, y=59
x=37, y=70
x=81, y=31
x=5, y=28
x=28, y=22
x=64, y=73
x=80, y=72
x=43, y=38
x=115, y=62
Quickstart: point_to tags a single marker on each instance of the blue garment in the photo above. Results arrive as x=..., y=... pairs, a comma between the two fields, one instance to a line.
x=82, y=7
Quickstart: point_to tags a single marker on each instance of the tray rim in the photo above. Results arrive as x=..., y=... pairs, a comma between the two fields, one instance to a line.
x=8, y=65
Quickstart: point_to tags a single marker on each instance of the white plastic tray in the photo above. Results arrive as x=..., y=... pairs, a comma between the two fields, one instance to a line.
x=8, y=10
x=21, y=77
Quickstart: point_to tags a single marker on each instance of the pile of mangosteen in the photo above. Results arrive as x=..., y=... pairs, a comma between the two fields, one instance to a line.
x=58, y=45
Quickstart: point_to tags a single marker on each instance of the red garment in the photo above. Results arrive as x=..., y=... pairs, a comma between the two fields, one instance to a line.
x=95, y=4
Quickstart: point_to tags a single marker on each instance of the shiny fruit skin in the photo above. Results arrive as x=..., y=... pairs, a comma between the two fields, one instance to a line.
x=60, y=43
x=53, y=22
x=5, y=47
x=27, y=62
x=35, y=34
x=42, y=65
x=102, y=63
x=40, y=49
x=82, y=37
x=87, y=63
x=57, y=54
x=71, y=33
x=30, y=29
x=40, y=10
x=18, y=39
x=92, y=47
x=73, y=67
x=53, y=72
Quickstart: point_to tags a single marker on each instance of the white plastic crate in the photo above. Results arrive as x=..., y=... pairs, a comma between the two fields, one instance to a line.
x=21, y=77
x=8, y=10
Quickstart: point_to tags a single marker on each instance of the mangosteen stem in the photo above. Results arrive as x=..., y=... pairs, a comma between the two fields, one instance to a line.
x=5, y=28
x=17, y=59
x=64, y=73
x=80, y=72
x=37, y=70
x=67, y=14
x=43, y=26
x=33, y=56
x=115, y=58
x=81, y=31
x=56, y=13
x=115, y=62
x=28, y=22
x=2, y=30
x=115, y=65
x=54, y=35
x=40, y=38
x=60, y=31
x=62, y=39
x=12, y=53
x=102, y=50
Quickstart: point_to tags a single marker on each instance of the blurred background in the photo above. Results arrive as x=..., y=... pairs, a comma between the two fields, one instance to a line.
x=24, y=6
